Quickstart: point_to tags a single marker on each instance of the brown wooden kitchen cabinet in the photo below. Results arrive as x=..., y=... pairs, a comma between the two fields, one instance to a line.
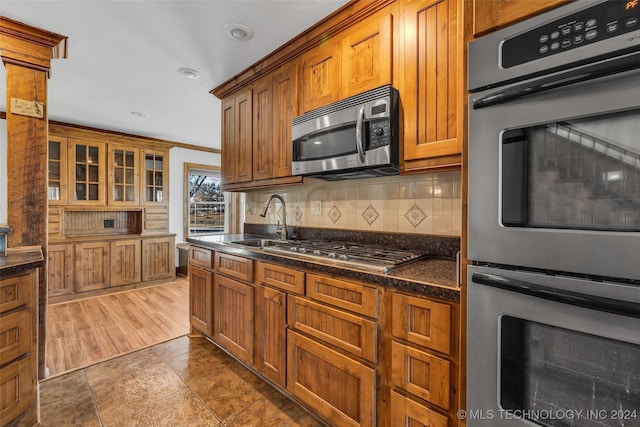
x=93, y=266
x=233, y=308
x=237, y=138
x=354, y=61
x=123, y=169
x=158, y=258
x=87, y=165
x=60, y=269
x=273, y=284
x=489, y=15
x=201, y=299
x=275, y=104
x=423, y=359
x=271, y=341
x=126, y=262
x=18, y=348
x=342, y=390
x=407, y=412
x=432, y=84
x=57, y=170
x=154, y=182
x=233, y=305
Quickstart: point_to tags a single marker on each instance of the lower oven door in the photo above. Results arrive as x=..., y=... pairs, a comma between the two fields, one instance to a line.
x=551, y=351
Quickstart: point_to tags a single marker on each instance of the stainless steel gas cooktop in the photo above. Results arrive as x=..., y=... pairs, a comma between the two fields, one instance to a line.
x=371, y=257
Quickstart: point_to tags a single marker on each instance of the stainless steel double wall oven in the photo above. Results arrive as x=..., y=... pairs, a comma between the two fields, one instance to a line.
x=554, y=220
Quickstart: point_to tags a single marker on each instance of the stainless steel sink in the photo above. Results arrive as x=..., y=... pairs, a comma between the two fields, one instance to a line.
x=257, y=243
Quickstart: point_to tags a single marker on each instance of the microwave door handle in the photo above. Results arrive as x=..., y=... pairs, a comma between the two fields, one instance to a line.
x=609, y=305
x=359, y=143
x=589, y=72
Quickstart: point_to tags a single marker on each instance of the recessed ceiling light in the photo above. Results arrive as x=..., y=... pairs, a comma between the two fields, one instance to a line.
x=139, y=114
x=189, y=73
x=238, y=31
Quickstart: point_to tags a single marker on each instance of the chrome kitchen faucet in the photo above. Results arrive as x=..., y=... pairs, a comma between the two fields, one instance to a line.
x=281, y=231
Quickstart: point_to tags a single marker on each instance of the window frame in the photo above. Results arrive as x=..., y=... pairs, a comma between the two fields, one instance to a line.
x=216, y=170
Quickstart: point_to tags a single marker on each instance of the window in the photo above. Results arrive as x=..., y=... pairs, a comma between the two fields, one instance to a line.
x=205, y=205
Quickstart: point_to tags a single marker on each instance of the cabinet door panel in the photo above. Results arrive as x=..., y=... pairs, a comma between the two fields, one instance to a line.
x=344, y=330
x=339, y=388
x=126, y=262
x=233, y=316
x=271, y=342
x=432, y=79
x=421, y=374
x=285, y=108
x=87, y=173
x=158, y=258
x=321, y=76
x=201, y=299
x=244, y=137
x=367, y=56
x=422, y=321
x=123, y=175
x=262, y=129
x=154, y=181
x=57, y=171
x=15, y=291
x=60, y=269
x=93, y=266
x=17, y=388
x=15, y=335
x=228, y=143
x=406, y=412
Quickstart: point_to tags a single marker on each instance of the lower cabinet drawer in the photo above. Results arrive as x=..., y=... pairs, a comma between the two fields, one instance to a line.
x=15, y=335
x=15, y=291
x=406, y=412
x=347, y=331
x=421, y=374
x=17, y=385
x=336, y=386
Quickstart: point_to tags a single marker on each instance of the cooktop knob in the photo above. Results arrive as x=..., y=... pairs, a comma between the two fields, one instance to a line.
x=344, y=257
x=331, y=254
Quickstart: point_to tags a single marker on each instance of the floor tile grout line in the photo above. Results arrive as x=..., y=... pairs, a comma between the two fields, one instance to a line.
x=220, y=422
x=93, y=398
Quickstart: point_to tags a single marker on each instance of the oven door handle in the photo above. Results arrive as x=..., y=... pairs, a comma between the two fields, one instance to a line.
x=609, y=305
x=596, y=70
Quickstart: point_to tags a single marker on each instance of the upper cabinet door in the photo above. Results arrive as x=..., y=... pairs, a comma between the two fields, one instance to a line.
x=367, y=55
x=123, y=175
x=321, y=75
x=285, y=108
x=86, y=172
x=57, y=171
x=262, y=129
x=432, y=79
x=237, y=138
x=490, y=15
x=154, y=184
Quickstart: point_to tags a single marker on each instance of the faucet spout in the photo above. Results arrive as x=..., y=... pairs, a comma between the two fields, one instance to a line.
x=281, y=231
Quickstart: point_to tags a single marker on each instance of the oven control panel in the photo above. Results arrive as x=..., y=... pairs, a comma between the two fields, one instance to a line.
x=605, y=20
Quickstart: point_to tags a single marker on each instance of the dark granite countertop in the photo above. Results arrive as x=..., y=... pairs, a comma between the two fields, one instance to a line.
x=433, y=277
x=18, y=261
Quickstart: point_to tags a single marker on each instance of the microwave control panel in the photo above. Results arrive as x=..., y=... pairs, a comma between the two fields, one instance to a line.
x=600, y=22
x=379, y=132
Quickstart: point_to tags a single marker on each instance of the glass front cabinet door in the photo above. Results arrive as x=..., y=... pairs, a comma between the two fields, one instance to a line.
x=123, y=175
x=155, y=182
x=86, y=172
x=57, y=171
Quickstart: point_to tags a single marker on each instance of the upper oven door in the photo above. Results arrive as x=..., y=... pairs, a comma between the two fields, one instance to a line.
x=554, y=174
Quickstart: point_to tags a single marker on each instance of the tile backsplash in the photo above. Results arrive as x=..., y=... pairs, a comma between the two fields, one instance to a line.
x=419, y=204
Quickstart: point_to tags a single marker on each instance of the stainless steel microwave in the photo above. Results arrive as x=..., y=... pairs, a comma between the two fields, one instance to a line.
x=356, y=137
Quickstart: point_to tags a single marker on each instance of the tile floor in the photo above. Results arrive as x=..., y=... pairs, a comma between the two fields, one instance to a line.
x=182, y=382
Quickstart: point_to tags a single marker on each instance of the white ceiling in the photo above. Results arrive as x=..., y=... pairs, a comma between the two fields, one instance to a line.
x=124, y=56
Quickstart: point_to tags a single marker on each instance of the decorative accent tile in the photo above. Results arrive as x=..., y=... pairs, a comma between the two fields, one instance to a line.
x=334, y=214
x=297, y=214
x=415, y=216
x=370, y=215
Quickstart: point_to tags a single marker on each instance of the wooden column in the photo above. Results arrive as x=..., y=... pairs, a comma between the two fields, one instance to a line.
x=26, y=53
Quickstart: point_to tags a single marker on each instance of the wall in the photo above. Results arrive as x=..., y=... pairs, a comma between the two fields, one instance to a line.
x=3, y=171
x=417, y=204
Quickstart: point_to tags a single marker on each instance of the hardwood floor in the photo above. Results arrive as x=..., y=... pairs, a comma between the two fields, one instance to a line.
x=84, y=332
